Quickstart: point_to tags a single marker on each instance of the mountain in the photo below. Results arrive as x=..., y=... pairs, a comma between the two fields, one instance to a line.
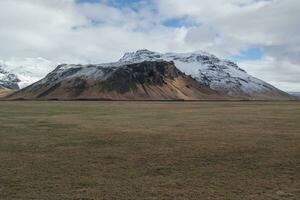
x=295, y=94
x=8, y=80
x=28, y=70
x=221, y=75
x=147, y=80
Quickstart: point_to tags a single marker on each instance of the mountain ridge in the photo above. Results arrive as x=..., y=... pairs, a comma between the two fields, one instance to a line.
x=223, y=76
x=148, y=80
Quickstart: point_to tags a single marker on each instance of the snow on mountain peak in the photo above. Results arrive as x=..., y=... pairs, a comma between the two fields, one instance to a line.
x=140, y=55
x=190, y=63
x=221, y=75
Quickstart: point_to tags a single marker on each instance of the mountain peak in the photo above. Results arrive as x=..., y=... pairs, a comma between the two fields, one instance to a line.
x=145, y=51
x=147, y=55
x=221, y=75
x=140, y=55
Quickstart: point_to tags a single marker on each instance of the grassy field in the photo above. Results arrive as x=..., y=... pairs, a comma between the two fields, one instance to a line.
x=149, y=150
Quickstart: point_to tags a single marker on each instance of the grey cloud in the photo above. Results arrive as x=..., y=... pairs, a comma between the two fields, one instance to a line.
x=272, y=25
x=63, y=31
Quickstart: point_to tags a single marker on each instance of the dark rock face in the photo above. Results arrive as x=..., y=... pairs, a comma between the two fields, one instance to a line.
x=126, y=78
x=8, y=80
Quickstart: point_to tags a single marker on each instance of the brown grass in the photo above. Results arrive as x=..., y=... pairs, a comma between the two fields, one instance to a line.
x=150, y=150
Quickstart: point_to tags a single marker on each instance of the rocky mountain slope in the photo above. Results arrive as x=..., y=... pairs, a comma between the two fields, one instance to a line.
x=5, y=92
x=8, y=80
x=147, y=80
x=221, y=75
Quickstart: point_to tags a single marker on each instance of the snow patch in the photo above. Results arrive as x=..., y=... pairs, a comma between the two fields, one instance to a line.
x=28, y=70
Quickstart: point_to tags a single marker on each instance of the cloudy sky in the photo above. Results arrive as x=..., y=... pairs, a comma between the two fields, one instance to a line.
x=263, y=36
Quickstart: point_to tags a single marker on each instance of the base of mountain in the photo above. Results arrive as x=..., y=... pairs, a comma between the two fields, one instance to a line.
x=180, y=89
x=9, y=95
x=5, y=92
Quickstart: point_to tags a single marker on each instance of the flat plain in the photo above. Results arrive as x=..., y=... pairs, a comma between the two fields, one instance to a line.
x=149, y=150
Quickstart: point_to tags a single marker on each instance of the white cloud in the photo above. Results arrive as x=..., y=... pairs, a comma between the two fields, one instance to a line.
x=65, y=31
x=272, y=25
x=281, y=73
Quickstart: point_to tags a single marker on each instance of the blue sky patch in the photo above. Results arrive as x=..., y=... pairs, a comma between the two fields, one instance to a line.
x=114, y=3
x=95, y=22
x=122, y=3
x=178, y=22
x=251, y=53
x=87, y=1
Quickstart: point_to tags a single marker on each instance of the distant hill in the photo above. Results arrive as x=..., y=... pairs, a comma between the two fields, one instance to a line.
x=8, y=80
x=296, y=94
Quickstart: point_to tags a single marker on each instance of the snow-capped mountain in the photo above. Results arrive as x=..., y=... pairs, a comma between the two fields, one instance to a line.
x=28, y=70
x=221, y=75
x=147, y=80
x=8, y=80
